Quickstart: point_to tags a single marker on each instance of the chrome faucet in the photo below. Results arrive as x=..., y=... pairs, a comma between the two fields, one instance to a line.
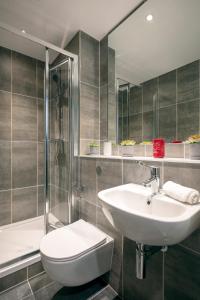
x=154, y=181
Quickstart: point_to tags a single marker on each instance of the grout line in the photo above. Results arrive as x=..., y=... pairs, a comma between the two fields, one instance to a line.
x=190, y=249
x=11, y=137
x=24, y=141
x=158, y=108
x=13, y=286
x=89, y=84
x=4, y=91
x=163, y=275
x=181, y=102
x=176, y=104
x=163, y=172
x=96, y=187
x=99, y=121
x=199, y=94
x=37, y=148
x=30, y=288
x=21, y=188
x=36, y=275
x=27, y=96
x=142, y=113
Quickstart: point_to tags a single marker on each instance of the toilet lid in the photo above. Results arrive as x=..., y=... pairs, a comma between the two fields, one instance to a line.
x=71, y=241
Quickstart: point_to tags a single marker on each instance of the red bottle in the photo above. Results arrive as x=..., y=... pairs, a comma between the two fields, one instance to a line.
x=158, y=148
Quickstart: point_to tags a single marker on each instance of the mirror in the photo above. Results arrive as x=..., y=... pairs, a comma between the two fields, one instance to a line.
x=155, y=60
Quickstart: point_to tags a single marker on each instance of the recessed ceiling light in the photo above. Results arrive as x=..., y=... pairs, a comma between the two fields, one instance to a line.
x=149, y=18
x=23, y=31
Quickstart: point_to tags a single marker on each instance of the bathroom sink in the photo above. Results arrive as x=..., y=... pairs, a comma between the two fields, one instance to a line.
x=163, y=221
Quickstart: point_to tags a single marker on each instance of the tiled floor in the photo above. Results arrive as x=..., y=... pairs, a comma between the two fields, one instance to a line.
x=42, y=288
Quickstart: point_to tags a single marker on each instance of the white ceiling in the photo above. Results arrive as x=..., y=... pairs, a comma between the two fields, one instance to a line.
x=145, y=50
x=56, y=21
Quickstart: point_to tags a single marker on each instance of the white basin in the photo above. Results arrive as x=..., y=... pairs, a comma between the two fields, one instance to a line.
x=164, y=221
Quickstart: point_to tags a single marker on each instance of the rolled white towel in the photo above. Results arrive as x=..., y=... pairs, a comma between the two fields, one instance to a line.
x=181, y=193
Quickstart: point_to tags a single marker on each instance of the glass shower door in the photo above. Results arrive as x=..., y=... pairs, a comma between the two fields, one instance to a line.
x=59, y=170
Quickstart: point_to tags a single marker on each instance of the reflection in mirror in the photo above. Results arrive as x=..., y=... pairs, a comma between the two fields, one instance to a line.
x=130, y=117
x=159, y=65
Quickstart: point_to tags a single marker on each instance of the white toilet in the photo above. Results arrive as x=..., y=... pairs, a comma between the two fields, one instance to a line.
x=76, y=254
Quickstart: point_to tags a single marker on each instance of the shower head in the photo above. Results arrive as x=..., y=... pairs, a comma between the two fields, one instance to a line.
x=55, y=77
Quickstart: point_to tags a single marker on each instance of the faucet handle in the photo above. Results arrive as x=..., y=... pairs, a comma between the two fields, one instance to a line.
x=155, y=171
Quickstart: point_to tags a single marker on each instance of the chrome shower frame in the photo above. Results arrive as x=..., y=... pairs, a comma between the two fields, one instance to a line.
x=74, y=114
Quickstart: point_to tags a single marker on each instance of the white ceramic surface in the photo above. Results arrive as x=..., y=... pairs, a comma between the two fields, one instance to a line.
x=76, y=254
x=164, y=222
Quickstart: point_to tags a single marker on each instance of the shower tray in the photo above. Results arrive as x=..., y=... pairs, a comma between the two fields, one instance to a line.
x=20, y=239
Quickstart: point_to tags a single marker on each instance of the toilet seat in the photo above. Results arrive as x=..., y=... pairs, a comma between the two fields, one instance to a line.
x=71, y=241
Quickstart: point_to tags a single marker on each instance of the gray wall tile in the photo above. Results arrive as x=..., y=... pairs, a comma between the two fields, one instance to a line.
x=176, y=121
x=104, y=60
x=24, y=118
x=59, y=204
x=135, y=127
x=41, y=199
x=47, y=292
x=61, y=165
x=104, y=112
x=185, y=174
x=35, y=269
x=19, y=292
x=150, y=90
x=40, y=116
x=24, y=172
x=188, y=119
x=39, y=282
x=40, y=68
x=115, y=279
x=174, y=150
x=40, y=166
x=167, y=89
x=149, y=288
x=193, y=241
x=88, y=180
x=5, y=67
x=5, y=115
x=89, y=59
x=112, y=117
x=24, y=75
x=111, y=70
x=88, y=211
x=135, y=101
x=5, y=165
x=13, y=279
x=28, y=81
x=148, y=125
x=5, y=207
x=188, y=82
x=167, y=123
x=109, y=173
x=133, y=173
x=89, y=112
x=24, y=204
x=179, y=262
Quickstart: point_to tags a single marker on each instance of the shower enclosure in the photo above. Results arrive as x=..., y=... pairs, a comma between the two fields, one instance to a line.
x=38, y=144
